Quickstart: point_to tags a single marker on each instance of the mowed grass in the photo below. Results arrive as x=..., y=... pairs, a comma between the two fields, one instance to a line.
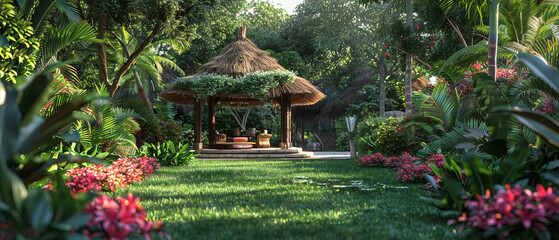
x=260, y=200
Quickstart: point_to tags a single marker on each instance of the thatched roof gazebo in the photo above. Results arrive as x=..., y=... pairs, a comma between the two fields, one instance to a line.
x=238, y=59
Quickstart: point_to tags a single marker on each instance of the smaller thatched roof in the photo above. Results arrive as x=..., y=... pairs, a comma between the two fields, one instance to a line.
x=239, y=58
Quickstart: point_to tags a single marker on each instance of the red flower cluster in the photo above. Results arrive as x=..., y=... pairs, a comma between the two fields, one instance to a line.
x=119, y=174
x=119, y=219
x=512, y=209
x=407, y=170
x=412, y=172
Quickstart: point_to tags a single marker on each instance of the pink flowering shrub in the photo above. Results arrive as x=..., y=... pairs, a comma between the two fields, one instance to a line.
x=119, y=174
x=505, y=77
x=513, y=210
x=378, y=160
x=123, y=218
x=407, y=170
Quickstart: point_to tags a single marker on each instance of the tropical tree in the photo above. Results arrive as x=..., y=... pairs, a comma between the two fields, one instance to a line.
x=408, y=57
x=525, y=26
x=55, y=25
x=173, y=18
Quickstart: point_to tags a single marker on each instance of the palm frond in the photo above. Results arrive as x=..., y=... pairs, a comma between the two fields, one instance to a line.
x=56, y=39
x=479, y=48
x=167, y=63
x=440, y=105
x=178, y=44
x=69, y=8
x=549, y=50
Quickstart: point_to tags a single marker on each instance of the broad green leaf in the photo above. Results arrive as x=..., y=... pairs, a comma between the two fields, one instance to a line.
x=39, y=211
x=479, y=177
x=540, y=123
x=28, y=134
x=33, y=96
x=489, y=97
x=512, y=163
x=552, y=176
x=12, y=189
x=9, y=126
x=431, y=180
x=541, y=69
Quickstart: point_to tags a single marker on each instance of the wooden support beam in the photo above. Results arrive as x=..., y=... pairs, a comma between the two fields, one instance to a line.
x=285, y=122
x=302, y=130
x=198, y=125
x=211, y=115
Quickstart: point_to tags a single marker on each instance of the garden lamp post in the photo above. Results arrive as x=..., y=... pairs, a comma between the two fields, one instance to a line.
x=350, y=121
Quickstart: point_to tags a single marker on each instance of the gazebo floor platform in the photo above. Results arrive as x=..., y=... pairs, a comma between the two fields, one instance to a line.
x=254, y=153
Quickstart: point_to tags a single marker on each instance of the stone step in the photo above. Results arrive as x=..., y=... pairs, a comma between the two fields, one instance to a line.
x=252, y=151
x=256, y=155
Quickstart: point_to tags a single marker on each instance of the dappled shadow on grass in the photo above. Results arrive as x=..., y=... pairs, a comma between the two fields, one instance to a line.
x=259, y=200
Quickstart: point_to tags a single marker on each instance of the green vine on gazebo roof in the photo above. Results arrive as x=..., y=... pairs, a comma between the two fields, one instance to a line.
x=256, y=85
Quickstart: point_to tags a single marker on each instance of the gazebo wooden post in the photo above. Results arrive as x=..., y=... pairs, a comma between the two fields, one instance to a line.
x=211, y=114
x=302, y=130
x=285, y=122
x=198, y=124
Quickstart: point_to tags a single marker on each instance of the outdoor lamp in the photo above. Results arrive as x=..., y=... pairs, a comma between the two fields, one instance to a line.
x=350, y=121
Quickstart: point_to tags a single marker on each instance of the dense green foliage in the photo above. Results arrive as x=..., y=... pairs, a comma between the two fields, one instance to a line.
x=366, y=134
x=256, y=85
x=169, y=154
x=17, y=46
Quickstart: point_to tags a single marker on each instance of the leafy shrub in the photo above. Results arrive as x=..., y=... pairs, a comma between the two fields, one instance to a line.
x=391, y=137
x=365, y=132
x=256, y=84
x=342, y=141
x=417, y=133
x=168, y=153
x=123, y=218
x=514, y=211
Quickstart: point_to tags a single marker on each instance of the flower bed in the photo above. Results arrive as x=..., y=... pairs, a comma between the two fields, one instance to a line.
x=123, y=218
x=119, y=174
x=409, y=168
x=513, y=210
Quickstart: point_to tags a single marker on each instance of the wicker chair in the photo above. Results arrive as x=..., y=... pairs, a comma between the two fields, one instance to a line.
x=263, y=140
x=217, y=138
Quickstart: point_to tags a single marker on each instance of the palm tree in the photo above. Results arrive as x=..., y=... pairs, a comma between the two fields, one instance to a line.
x=479, y=8
x=525, y=26
x=408, y=74
x=149, y=64
x=56, y=24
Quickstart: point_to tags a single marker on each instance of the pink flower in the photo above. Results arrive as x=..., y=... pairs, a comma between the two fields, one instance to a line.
x=118, y=219
x=514, y=207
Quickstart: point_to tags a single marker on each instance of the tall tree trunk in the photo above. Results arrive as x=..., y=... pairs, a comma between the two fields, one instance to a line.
x=382, y=92
x=101, y=52
x=493, y=28
x=408, y=73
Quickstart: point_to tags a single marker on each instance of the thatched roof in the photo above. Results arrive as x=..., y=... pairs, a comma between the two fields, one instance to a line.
x=239, y=58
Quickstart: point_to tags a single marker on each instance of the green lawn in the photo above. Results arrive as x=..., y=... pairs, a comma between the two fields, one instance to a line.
x=260, y=200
